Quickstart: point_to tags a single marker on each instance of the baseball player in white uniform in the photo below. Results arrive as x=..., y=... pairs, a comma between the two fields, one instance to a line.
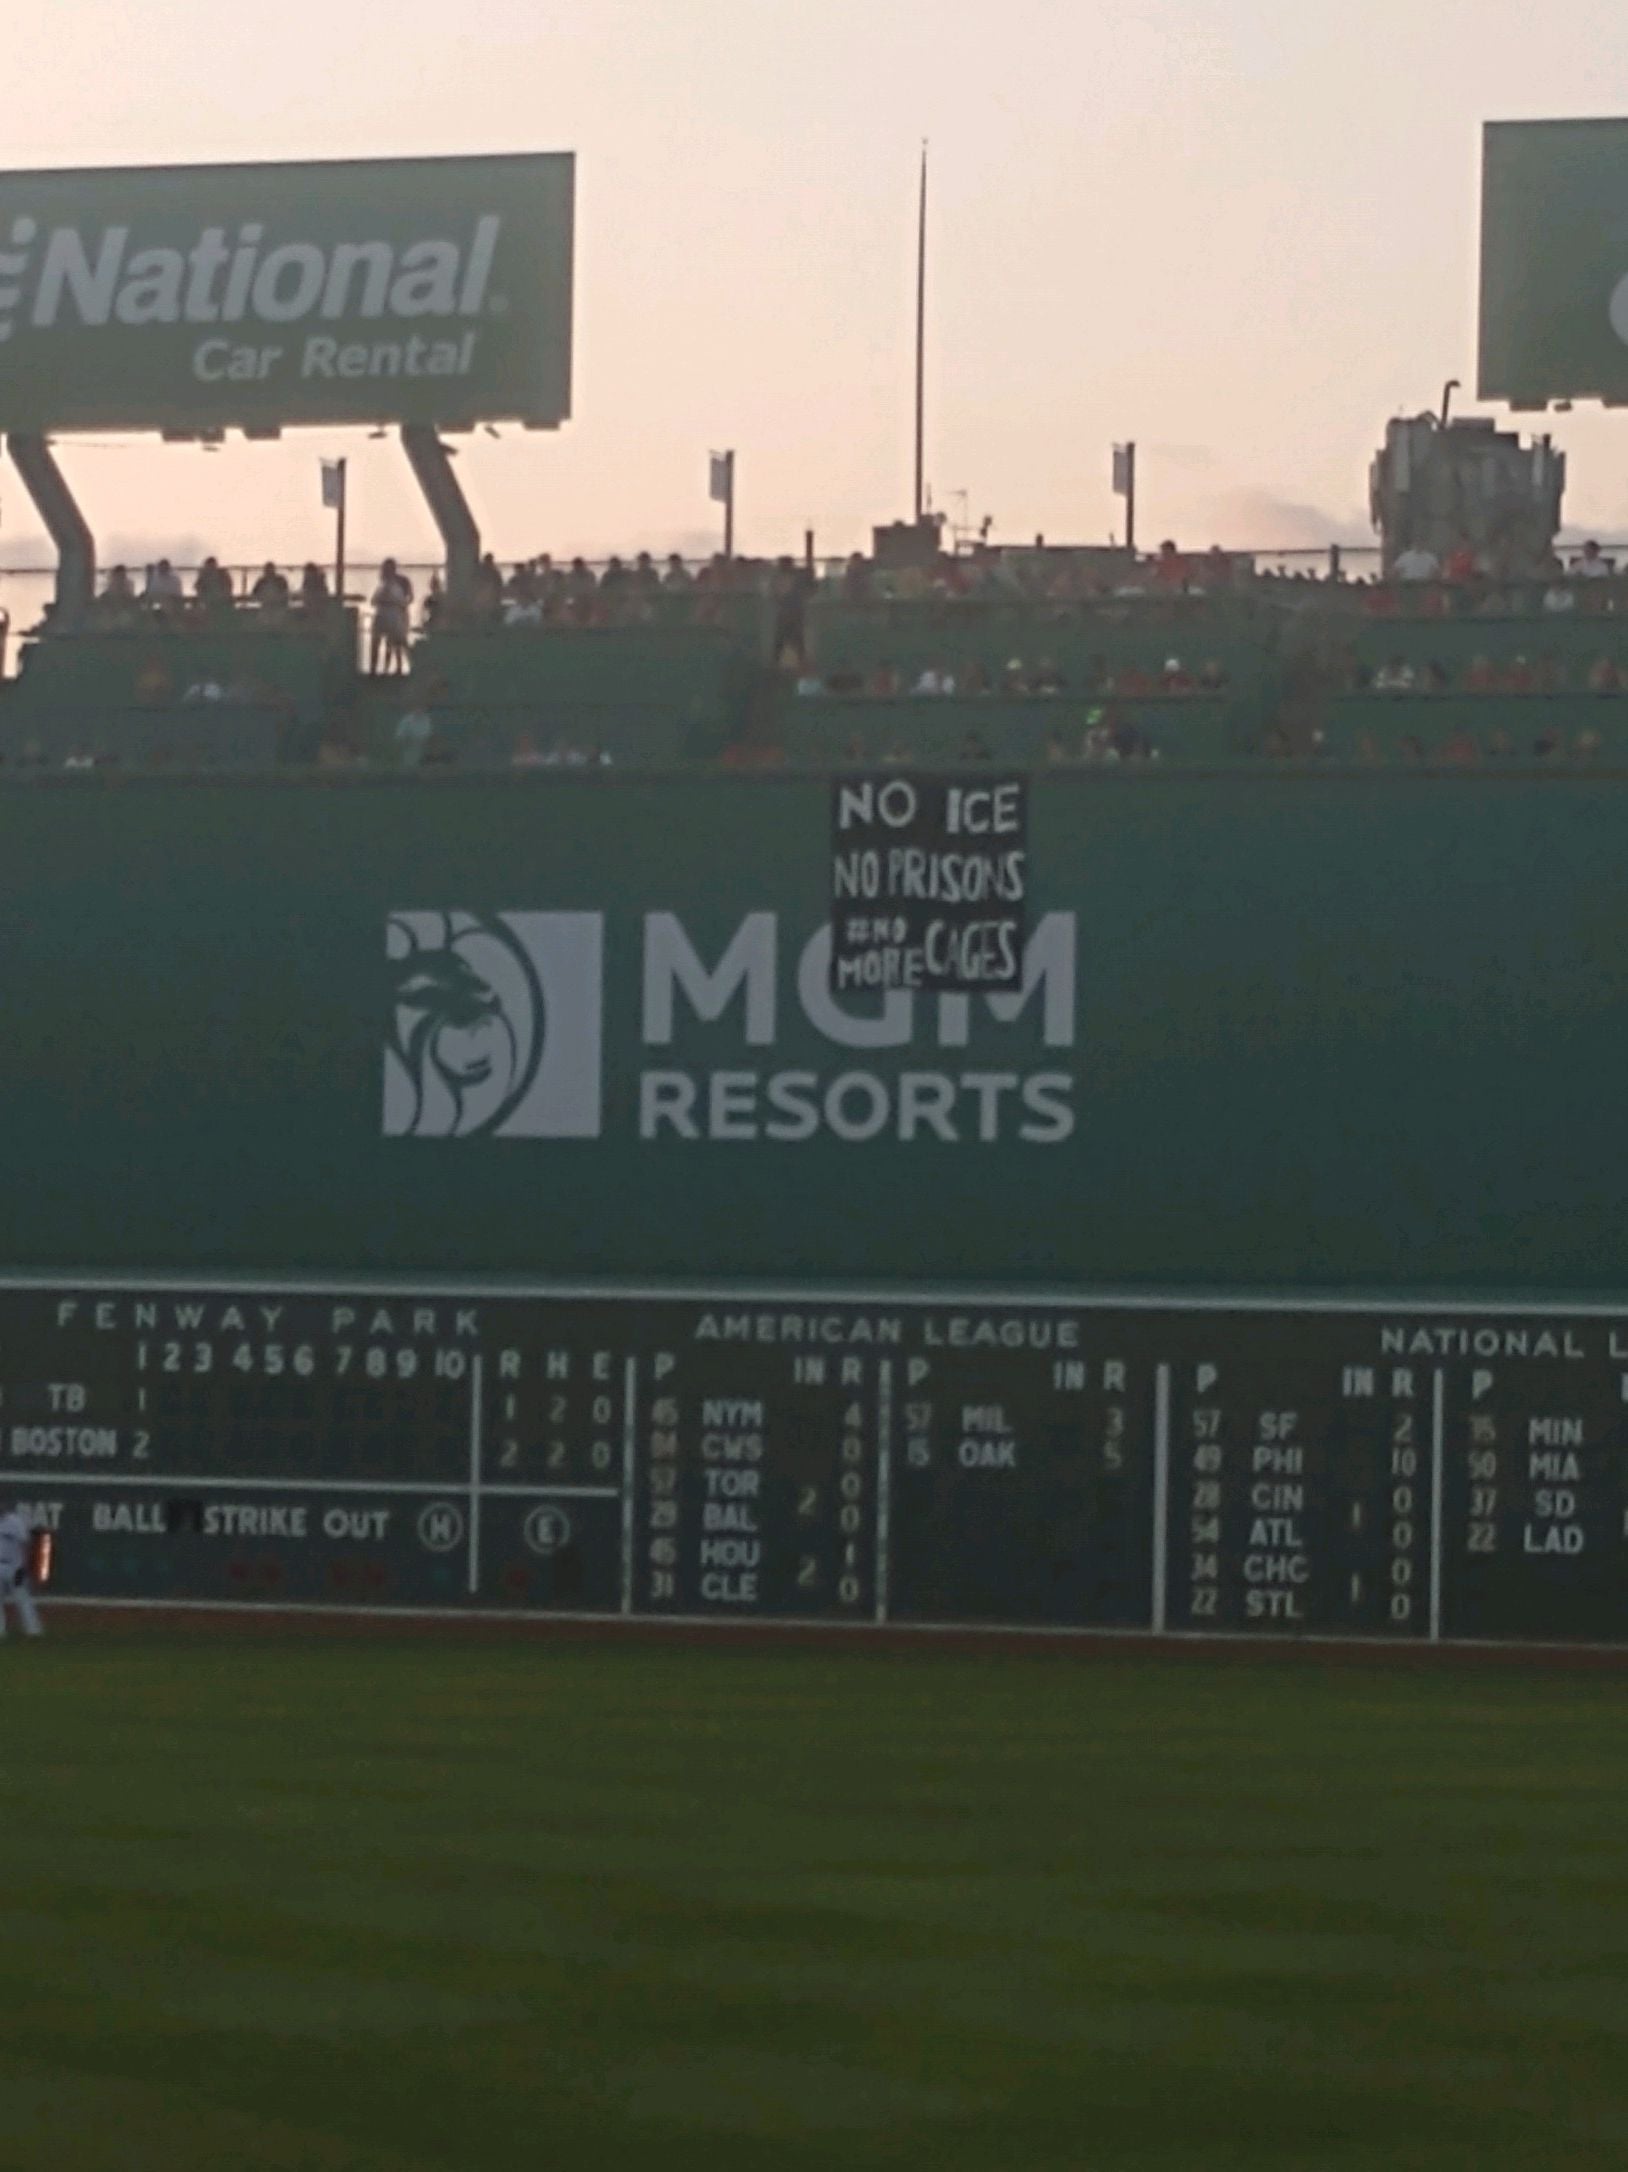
x=16, y=1546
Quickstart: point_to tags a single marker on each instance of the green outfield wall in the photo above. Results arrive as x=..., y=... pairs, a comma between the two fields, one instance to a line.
x=1281, y=1030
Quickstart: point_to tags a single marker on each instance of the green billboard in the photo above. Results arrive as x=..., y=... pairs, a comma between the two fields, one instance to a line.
x=1554, y=262
x=201, y=298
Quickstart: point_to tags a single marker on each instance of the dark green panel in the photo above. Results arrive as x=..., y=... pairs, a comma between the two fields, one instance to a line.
x=1276, y=1467
x=1326, y=1031
x=1554, y=261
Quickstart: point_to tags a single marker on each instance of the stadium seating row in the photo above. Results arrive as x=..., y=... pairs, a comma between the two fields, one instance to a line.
x=1182, y=679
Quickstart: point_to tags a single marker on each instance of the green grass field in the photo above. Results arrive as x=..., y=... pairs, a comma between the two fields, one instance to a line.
x=313, y=1904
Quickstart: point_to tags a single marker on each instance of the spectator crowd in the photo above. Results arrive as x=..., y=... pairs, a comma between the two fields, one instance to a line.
x=1015, y=680
x=1545, y=673
x=1110, y=711
x=164, y=601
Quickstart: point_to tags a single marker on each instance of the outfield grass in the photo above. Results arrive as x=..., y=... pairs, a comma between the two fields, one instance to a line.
x=335, y=1905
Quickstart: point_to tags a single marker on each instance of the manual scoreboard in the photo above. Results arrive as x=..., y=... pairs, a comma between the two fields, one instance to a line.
x=1275, y=1468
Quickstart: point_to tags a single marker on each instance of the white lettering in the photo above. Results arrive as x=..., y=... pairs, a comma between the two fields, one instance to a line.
x=67, y=269
x=671, y=963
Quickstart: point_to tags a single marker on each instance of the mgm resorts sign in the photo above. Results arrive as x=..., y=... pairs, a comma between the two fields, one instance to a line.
x=508, y=1025
x=215, y=297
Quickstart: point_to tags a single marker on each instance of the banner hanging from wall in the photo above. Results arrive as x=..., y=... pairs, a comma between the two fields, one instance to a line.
x=929, y=882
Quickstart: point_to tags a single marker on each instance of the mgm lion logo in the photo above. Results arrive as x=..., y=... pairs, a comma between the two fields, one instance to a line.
x=495, y=1025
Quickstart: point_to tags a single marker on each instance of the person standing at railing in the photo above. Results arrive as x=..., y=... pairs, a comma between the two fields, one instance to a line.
x=581, y=589
x=270, y=593
x=117, y=606
x=614, y=593
x=392, y=601
x=522, y=598
x=1593, y=565
x=1170, y=568
x=213, y=589
x=1417, y=564
x=163, y=590
x=488, y=591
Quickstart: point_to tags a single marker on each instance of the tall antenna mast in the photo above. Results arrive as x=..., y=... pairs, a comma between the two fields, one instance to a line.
x=921, y=338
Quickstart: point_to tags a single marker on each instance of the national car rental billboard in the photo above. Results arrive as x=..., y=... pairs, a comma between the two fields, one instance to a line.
x=190, y=298
x=1554, y=262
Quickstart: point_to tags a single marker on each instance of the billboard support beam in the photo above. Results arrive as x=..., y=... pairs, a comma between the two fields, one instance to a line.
x=67, y=527
x=431, y=463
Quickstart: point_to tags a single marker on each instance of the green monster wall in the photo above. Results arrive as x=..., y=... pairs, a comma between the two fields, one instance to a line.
x=1337, y=1032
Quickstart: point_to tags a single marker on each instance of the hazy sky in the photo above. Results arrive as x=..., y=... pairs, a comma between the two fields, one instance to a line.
x=1241, y=231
